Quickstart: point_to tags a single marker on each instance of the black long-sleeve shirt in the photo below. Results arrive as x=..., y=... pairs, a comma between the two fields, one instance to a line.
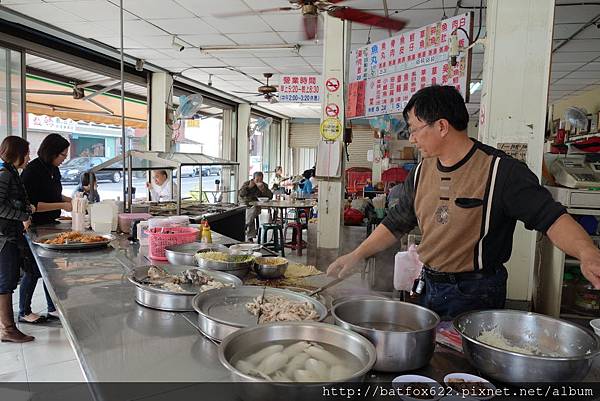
x=42, y=182
x=467, y=212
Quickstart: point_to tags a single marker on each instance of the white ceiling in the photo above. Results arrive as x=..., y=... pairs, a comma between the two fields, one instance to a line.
x=149, y=26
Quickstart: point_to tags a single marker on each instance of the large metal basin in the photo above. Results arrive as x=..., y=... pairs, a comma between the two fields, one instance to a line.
x=252, y=337
x=575, y=346
x=403, y=333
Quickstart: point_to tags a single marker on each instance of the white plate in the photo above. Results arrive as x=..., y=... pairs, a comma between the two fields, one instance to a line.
x=470, y=378
x=436, y=387
x=263, y=199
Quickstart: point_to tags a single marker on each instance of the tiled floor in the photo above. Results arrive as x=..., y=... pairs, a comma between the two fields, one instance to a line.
x=49, y=358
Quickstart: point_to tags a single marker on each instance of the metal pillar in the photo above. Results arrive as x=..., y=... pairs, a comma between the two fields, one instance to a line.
x=331, y=190
x=516, y=71
x=243, y=122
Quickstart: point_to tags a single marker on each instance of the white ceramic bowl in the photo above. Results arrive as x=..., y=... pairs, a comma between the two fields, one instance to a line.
x=263, y=199
x=470, y=378
x=596, y=326
x=435, y=387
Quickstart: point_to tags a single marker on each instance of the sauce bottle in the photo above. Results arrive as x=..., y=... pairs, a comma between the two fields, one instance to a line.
x=205, y=235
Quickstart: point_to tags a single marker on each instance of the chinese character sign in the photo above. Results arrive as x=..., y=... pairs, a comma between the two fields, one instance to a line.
x=300, y=89
x=395, y=68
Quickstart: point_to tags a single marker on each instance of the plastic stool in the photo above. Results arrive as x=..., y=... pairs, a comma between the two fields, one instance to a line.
x=297, y=243
x=277, y=244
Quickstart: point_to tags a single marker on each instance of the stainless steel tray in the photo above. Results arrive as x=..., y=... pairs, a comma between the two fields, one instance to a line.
x=159, y=298
x=184, y=254
x=222, y=312
x=75, y=245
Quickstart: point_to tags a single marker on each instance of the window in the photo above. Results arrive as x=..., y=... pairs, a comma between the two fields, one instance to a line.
x=10, y=93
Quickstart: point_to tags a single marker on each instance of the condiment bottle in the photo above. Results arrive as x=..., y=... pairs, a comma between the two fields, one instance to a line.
x=205, y=235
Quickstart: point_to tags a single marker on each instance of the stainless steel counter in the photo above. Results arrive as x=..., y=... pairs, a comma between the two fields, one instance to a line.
x=114, y=338
x=117, y=340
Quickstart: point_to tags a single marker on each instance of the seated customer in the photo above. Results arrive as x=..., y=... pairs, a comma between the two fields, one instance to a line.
x=88, y=187
x=305, y=184
x=160, y=186
x=250, y=192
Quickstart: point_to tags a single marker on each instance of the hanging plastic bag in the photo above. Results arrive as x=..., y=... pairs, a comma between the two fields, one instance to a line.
x=407, y=268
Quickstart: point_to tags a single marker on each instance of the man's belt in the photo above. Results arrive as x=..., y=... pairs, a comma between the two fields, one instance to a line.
x=440, y=277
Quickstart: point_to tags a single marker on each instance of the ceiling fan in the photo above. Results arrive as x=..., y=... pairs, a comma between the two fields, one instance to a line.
x=269, y=92
x=77, y=93
x=311, y=9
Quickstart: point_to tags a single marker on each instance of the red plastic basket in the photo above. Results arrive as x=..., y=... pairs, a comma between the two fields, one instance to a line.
x=160, y=238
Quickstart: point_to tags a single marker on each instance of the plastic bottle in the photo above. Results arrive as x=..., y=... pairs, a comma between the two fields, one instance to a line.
x=407, y=268
x=205, y=235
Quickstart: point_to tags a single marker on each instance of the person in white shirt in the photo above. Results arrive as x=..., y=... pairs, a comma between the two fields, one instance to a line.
x=160, y=186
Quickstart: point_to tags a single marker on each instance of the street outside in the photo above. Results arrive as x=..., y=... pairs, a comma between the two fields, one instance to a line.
x=110, y=190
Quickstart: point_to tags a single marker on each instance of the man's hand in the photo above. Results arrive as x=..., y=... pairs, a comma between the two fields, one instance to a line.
x=67, y=206
x=32, y=208
x=345, y=265
x=260, y=185
x=590, y=267
x=251, y=184
x=149, y=185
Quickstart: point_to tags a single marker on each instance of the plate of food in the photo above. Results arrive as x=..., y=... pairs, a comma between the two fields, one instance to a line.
x=73, y=240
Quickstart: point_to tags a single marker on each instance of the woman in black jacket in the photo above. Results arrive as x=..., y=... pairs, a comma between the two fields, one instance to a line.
x=15, y=217
x=42, y=182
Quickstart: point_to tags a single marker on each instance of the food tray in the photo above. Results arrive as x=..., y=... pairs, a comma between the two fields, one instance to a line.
x=73, y=246
x=222, y=312
x=163, y=299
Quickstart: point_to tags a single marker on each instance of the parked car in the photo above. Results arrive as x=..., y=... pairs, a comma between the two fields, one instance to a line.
x=187, y=171
x=71, y=170
x=210, y=170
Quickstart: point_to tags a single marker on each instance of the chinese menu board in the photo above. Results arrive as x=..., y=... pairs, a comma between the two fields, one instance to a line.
x=300, y=89
x=397, y=67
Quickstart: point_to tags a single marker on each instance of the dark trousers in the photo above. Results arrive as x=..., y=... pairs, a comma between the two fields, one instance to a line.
x=10, y=265
x=27, y=288
x=449, y=300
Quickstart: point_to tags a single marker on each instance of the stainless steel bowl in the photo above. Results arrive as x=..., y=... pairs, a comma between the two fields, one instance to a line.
x=267, y=271
x=253, y=337
x=403, y=333
x=575, y=346
x=237, y=269
x=184, y=254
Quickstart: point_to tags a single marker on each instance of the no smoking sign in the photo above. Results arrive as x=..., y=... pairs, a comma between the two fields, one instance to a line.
x=332, y=84
x=332, y=110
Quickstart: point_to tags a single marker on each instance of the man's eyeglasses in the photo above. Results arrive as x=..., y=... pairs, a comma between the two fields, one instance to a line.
x=412, y=131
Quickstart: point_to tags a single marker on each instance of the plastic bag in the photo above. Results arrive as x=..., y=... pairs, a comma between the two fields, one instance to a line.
x=407, y=268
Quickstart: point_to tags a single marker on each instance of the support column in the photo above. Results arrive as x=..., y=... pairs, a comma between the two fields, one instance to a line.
x=331, y=189
x=243, y=122
x=162, y=103
x=514, y=97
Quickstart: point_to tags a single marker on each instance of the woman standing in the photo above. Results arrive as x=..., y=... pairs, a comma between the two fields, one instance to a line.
x=15, y=217
x=42, y=182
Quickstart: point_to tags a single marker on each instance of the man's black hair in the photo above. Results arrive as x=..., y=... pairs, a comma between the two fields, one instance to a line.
x=436, y=102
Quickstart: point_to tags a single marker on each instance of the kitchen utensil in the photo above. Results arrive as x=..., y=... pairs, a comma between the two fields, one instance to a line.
x=269, y=271
x=564, y=351
x=184, y=254
x=403, y=333
x=155, y=297
x=223, y=312
x=253, y=338
x=328, y=285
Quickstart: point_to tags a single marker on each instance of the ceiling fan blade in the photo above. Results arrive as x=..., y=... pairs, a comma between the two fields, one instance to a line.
x=252, y=12
x=248, y=93
x=310, y=23
x=49, y=92
x=362, y=17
